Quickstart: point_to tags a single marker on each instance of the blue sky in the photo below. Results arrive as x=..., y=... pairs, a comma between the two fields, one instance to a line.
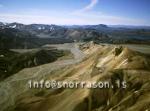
x=76, y=12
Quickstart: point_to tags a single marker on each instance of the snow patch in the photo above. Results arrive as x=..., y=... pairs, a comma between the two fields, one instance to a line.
x=14, y=26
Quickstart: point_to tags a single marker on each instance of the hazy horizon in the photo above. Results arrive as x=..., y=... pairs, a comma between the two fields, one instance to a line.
x=69, y=12
x=117, y=25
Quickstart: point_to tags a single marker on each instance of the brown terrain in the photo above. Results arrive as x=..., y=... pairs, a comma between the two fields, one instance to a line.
x=91, y=63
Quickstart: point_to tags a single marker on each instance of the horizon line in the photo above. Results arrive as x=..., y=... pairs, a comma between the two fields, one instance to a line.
x=78, y=24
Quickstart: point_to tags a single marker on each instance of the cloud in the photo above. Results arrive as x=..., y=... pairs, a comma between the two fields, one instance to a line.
x=89, y=16
x=88, y=7
x=91, y=5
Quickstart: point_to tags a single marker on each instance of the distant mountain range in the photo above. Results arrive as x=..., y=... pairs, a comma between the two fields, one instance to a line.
x=52, y=26
x=17, y=35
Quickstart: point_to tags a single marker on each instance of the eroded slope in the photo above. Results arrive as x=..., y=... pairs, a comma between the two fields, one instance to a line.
x=102, y=63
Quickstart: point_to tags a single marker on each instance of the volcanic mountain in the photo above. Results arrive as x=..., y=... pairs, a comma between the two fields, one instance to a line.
x=110, y=63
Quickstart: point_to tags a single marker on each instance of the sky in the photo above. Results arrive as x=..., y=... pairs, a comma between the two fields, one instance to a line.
x=76, y=12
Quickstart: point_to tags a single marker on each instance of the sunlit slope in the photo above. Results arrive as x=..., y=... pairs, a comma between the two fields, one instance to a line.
x=101, y=63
